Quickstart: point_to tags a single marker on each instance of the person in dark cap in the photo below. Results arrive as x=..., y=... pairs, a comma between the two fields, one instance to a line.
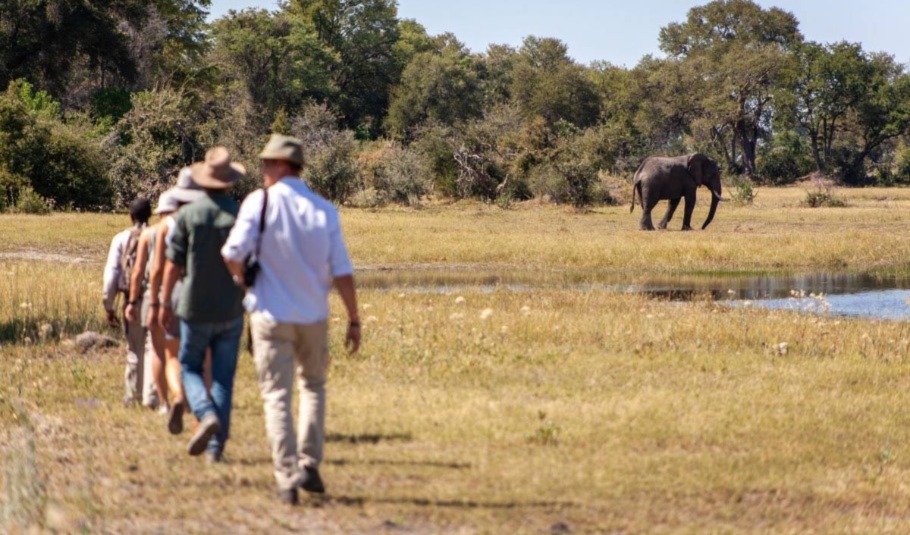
x=120, y=259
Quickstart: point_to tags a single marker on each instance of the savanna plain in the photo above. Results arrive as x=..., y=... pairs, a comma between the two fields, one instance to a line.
x=479, y=407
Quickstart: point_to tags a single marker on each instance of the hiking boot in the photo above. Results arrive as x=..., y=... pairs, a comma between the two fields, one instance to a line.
x=288, y=497
x=209, y=426
x=311, y=482
x=175, y=418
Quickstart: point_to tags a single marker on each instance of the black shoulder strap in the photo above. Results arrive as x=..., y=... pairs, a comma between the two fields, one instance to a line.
x=265, y=205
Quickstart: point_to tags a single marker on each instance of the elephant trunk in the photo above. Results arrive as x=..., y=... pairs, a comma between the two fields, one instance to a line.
x=715, y=200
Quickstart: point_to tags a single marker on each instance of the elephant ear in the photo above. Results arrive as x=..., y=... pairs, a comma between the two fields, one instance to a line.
x=695, y=166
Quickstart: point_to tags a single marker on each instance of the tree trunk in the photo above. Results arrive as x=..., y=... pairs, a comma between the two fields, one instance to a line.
x=748, y=146
x=819, y=166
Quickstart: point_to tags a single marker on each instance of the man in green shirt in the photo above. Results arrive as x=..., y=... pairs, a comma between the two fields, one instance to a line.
x=210, y=309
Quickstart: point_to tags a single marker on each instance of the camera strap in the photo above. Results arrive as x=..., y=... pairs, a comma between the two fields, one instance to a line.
x=265, y=205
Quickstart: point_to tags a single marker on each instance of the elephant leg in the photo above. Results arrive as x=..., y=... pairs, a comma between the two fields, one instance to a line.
x=669, y=215
x=646, y=223
x=687, y=211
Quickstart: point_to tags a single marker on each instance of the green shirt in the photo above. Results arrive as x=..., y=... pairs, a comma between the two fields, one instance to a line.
x=209, y=293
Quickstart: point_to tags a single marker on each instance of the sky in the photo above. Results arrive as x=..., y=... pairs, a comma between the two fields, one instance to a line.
x=623, y=31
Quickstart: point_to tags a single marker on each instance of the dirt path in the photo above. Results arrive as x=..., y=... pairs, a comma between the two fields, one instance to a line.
x=32, y=255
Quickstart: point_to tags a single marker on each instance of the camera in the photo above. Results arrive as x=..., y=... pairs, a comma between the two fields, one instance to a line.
x=251, y=271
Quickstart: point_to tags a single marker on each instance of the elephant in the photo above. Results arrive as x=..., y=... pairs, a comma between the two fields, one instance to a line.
x=659, y=178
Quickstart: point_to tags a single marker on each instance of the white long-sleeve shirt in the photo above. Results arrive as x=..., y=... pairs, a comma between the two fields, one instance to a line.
x=112, y=269
x=302, y=252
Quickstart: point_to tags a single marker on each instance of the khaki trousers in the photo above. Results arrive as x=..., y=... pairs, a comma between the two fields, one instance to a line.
x=139, y=384
x=283, y=352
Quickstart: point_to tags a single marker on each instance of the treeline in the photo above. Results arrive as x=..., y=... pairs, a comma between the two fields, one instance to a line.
x=106, y=100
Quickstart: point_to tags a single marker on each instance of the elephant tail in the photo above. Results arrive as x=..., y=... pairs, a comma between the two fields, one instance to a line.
x=634, y=188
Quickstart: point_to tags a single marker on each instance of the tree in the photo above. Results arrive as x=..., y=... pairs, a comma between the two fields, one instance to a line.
x=549, y=84
x=168, y=40
x=44, y=41
x=832, y=80
x=439, y=87
x=71, y=48
x=496, y=67
x=361, y=35
x=880, y=116
x=735, y=55
x=276, y=58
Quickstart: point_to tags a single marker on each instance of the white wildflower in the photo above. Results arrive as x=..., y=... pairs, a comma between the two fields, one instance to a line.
x=486, y=314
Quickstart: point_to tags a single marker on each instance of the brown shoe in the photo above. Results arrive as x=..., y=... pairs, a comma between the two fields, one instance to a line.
x=175, y=418
x=209, y=426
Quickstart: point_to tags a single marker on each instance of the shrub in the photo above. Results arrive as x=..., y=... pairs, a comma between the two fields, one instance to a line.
x=397, y=173
x=487, y=156
x=368, y=198
x=743, y=192
x=68, y=167
x=786, y=161
x=151, y=143
x=434, y=144
x=60, y=161
x=822, y=194
x=571, y=174
x=330, y=152
x=903, y=164
x=30, y=202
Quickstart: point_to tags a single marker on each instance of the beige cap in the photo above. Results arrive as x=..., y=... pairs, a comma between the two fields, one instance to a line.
x=167, y=203
x=285, y=148
x=217, y=171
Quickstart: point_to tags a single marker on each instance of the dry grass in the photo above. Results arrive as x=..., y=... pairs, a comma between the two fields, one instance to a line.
x=774, y=234
x=594, y=411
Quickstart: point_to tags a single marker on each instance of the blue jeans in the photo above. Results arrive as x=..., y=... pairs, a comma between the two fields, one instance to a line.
x=224, y=340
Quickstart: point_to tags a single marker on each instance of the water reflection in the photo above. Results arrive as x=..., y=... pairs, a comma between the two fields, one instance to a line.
x=883, y=304
x=845, y=293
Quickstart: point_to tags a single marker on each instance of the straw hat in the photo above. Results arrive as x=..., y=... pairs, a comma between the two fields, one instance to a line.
x=217, y=171
x=279, y=147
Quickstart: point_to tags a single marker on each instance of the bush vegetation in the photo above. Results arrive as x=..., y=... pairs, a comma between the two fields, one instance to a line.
x=378, y=101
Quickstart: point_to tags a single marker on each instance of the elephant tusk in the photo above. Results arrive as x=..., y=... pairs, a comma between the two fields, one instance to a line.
x=719, y=198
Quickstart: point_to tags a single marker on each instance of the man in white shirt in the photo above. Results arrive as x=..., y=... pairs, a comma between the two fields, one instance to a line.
x=301, y=255
x=137, y=377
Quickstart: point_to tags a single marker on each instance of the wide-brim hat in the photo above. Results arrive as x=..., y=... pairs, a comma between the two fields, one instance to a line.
x=217, y=171
x=281, y=147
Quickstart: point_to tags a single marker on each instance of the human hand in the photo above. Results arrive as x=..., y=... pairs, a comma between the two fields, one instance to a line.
x=352, y=339
x=112, y=319
x=130, y=313
x=152, y=319
x=165, y=317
